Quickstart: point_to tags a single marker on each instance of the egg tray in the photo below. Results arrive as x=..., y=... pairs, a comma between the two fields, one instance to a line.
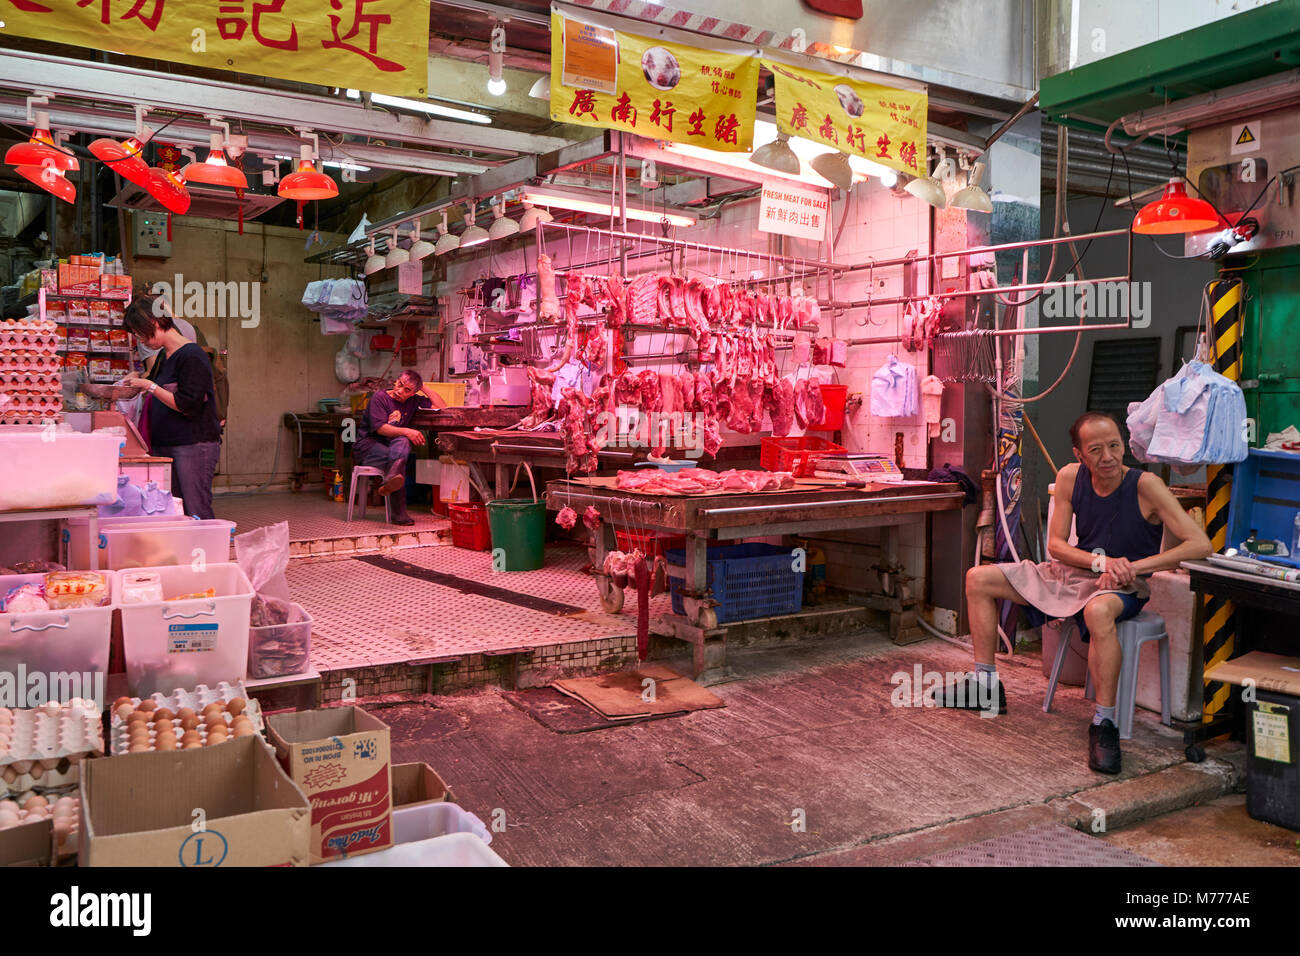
x=30, y=418
x=120, y=737
x=66, y=773
x=65, y=836
x=28, y=325
x=12, y=362
x=197, y=699
x=48, y=736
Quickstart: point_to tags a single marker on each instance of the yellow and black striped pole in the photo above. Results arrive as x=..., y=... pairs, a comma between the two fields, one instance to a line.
x=1225, y=297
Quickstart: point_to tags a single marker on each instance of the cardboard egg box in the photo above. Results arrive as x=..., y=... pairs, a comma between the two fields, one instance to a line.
x=40, y=749
x=18, y=819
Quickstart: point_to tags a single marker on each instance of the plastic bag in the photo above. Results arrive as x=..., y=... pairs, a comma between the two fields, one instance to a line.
x=280, y=640
x=347, y=367
x=359, y=343
x=263, y=554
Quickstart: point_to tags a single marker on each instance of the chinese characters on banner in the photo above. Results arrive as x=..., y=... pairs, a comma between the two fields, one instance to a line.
x=790, y=210
x=879, y=123
x=376, y=45
x=660, y=90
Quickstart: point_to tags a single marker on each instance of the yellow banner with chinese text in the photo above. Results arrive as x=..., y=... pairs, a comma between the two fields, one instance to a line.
x=377, y=45
x=615, y=80
x=879, y=123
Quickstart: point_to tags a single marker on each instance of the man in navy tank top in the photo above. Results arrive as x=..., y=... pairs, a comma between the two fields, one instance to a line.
x=1119, y=516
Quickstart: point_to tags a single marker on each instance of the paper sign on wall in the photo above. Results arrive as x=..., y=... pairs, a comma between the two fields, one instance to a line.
x=789, y=210
x=657, y=89
x=410, y=278
x=879, y=123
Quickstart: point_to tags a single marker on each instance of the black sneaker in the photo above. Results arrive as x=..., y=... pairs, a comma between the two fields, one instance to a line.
x=1103, y=747
x=968, y=694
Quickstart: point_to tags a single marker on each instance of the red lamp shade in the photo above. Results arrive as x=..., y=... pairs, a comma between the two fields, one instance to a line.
x=50, y=179
x=215, y=171
x=123, y=158
x=306, y=183
x=1175, y=212
x=168, y=190
x=40, y=150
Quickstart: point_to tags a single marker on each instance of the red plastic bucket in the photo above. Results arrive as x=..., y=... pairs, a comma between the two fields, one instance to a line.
x=833, y=397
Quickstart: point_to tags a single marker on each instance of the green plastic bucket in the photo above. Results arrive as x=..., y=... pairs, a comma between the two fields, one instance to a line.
x=518, y=533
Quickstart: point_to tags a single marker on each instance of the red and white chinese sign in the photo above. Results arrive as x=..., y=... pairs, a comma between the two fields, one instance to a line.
x=879, y=123
x=376, y=45
x=789, y=210
x=660, y=90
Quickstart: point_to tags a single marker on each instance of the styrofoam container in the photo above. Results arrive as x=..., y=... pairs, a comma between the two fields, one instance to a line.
x=74, y=641
x=454, y=849
x=76, y=533
x=156, y=544
x=56, y=469
x=189, y=642
x=427, y=820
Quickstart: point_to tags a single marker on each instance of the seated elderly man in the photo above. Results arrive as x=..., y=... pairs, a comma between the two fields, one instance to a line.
x=1119, y=514
x=385, y=440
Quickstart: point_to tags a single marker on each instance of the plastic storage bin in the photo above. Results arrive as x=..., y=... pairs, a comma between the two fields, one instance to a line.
x=1265, y=499
x=74, y=642
x=58, y=469
x=279, y=649
x=454, y=849
x=652, y=544
x=834, y=397
x=170, y=644
x=429, y=820
x=469, y=525
x=798, y=456
x=77, y=530
x=453, y=393
x=152, y=545
x=747, y=581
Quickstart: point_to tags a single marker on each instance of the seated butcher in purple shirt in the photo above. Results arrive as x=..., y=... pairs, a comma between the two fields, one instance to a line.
x=1119, y=515
x=385, y=440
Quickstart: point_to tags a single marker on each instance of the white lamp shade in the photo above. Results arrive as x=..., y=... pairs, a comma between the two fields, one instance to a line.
x=777, y=155
x=374, y=262
x=473, y=235
x=971, y=196
x=532, y=216
x=835, y=169
x=928, y=189
x=502, y=226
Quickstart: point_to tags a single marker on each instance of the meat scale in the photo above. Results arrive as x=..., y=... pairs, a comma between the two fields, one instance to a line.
x=858, y=467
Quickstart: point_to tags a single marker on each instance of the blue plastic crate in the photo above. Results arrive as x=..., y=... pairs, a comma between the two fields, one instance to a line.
x=1265, y=498
x=747, y=580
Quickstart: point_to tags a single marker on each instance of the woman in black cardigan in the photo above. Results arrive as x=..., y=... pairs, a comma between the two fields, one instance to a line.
x=180, y=410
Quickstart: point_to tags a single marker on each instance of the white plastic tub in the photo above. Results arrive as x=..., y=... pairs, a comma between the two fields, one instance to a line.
x=75, y=641
x=454, y=849
x=170, y=644
x=158, y=544
x=276, y=650
x=56, y=469
x=77, y=531
x=427, y=820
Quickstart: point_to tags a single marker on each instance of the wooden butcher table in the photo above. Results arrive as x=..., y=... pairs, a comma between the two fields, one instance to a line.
x=811, y=507
x=506, y=448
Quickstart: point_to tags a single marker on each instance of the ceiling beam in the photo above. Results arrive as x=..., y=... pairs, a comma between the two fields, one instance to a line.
x=197, y=95
x=191, y=133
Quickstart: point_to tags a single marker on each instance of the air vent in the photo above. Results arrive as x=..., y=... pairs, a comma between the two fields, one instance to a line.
x=206, y=202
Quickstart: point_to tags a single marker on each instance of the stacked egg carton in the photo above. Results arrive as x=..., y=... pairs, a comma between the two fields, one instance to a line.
x=40, y=749
x=64, y=812
x=184, y=720
x=31, y=380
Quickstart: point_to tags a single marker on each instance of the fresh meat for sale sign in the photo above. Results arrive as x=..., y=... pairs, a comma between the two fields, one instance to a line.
x=793, y=211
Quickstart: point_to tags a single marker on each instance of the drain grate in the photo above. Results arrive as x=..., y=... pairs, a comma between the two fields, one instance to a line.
x=1047, y=845
x=466, y=586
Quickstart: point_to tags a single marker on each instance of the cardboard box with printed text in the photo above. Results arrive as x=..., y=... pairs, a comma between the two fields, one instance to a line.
x=340, y=757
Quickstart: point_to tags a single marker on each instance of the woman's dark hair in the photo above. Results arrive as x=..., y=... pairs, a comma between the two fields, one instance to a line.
x=147, y=314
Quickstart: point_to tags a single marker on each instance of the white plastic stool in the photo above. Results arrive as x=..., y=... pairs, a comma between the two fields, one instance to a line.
x=1132, y=634
x=366, y=472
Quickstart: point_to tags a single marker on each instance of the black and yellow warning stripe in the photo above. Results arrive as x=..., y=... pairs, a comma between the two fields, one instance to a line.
x=1219, y=632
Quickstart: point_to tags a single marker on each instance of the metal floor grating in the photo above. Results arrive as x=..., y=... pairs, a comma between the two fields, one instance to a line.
x=369, y=616
x=312, y=516
x=1047, y=845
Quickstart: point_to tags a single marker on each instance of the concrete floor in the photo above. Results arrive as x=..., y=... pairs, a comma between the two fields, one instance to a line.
x=1218, y=833
x=808, y=734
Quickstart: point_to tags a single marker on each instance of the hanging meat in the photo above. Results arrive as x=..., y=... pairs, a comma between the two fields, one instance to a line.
x=548, y=308
x=542, y=382
x=567, y=518
x=782, y=408
x=581, y=446
x=809, y=409
x=643, y=300
x=591, y=517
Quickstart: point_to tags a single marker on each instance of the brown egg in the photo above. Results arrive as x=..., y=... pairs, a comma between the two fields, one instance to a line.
x=185, y=712
x=123, y=710
x=35, y=802
x=137, y=748
x=165, y=743
x=217, y=738
x=162, y=713
x=192, y=745
x=215, y=707
x=161, y=724
x=189, y=722
x=137, y=717
x=148, y=705
x=190, y=735
x=120, y=701
x=244, y=730
x=138, y=733
x=235, y=706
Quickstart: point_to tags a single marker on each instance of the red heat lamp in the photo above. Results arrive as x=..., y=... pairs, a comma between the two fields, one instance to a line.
x=215, y=170
x=50, y=179
x=40, y=161
x=124, y=158
x=306, y=183
x=167, y=188
x=1175, y=212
